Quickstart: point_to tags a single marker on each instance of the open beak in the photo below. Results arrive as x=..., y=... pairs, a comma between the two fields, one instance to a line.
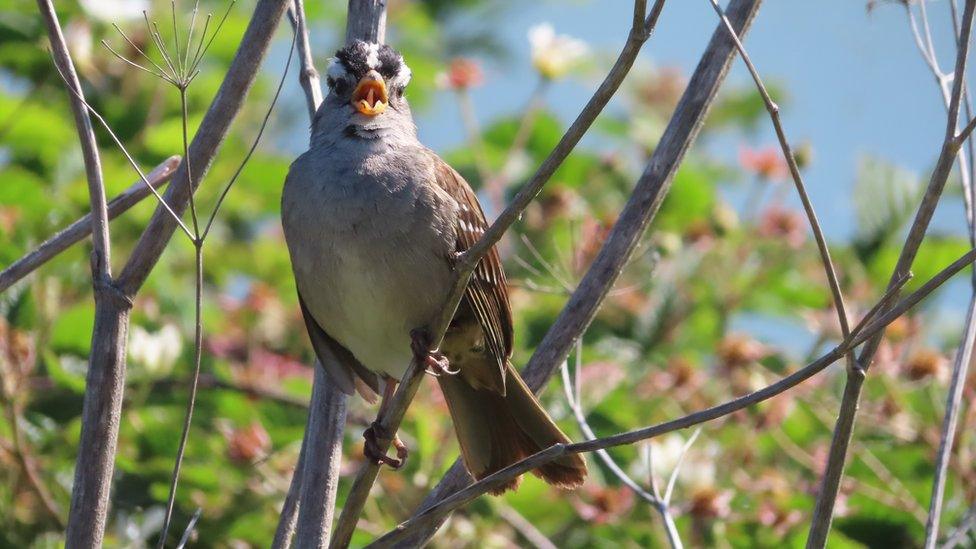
x=370, y=97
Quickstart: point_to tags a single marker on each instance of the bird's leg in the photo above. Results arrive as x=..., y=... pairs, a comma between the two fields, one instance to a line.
x=434, y=361
x=376, y=433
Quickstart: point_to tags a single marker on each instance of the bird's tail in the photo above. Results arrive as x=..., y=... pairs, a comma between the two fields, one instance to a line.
x=497, y=430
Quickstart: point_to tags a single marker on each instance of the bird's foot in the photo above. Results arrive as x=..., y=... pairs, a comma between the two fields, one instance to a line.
x=434, y=361
x=373, y=451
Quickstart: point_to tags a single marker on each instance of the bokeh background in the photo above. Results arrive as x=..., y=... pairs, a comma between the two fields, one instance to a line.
x=725, y=295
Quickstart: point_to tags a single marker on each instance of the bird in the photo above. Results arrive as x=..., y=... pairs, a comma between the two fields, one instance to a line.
x=374, y=223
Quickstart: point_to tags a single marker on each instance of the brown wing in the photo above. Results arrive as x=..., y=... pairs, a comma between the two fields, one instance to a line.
x=487, y=292
x=347, y=372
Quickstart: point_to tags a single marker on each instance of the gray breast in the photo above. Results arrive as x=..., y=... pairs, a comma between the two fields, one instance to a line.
x=370, y=241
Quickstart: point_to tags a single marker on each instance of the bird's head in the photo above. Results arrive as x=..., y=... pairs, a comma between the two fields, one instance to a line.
x=366, y=86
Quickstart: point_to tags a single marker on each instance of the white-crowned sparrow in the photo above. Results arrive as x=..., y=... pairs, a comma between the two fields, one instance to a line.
x=374, y=221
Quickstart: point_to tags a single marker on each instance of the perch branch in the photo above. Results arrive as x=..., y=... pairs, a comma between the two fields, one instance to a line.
x=466, y=263
x=637, y=214
x=435, y=513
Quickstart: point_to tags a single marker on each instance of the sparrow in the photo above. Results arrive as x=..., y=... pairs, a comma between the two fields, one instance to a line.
x=374, y=222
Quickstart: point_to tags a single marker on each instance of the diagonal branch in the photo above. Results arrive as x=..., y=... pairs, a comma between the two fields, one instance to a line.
x=77, y=231
x=101, y=253
x=823, y=512
x=466, y=263
x=637, y=214
x=773, y=109
x=434, y=514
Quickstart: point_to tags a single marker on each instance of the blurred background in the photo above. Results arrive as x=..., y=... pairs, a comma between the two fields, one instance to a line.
x=725, y=295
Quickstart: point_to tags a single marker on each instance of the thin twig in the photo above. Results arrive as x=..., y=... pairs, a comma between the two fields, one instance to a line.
x=207, y=140
x=309, y=77
x=190, y=526
x=81, y=228
x=574, y=399
x=962, y=530
x=254, y=144
x=106, y=375
x=823, y=511
x=773, y=109
x=132, y=162
x=198, y=242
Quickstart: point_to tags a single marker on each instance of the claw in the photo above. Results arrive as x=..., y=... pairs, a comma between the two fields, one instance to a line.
x=434, y=361
x=437, y=365
x=372, y=450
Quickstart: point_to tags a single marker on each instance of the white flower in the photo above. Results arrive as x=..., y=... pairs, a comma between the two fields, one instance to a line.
x=155, y=352
x=113, y=11
x=697, y=468
x=554, y=55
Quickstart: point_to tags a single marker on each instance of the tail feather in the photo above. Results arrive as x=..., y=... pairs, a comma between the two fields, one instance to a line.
x=495, y=430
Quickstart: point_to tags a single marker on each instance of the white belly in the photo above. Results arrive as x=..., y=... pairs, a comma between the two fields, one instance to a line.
x=371, y=264
x=370, y=302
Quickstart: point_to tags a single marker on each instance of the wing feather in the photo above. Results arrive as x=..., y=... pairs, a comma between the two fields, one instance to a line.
x=487, y=292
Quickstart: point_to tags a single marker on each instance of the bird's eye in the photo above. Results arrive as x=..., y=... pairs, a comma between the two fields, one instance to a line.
x=398, y=91
x=340, y=86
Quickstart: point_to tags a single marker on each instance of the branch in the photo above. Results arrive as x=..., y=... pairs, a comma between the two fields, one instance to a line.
x=390, y=421
x=213, y=129
x=310, y=502
x=77, y=231
x=639, y=211
x=962, y=530
x=949, y=424
x=366, y=21
x=320, y=475
x=106, y=374
x=101, y=247
x=90, y=494
x=309, y=77
x=573, y=390
x=773, y=109
x=823, y=512
x=432, y=515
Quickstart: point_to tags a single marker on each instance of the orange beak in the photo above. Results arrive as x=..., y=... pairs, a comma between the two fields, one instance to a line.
x=370, y=97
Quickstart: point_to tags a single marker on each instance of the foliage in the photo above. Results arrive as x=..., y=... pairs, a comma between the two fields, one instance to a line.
x=721, y=298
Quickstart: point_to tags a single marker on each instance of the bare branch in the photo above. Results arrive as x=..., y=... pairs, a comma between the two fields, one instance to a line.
x=433, y=514
x=962, y=531
x=327, y=419
x=366, y=21
x=81, y=228
x=101, y=259
x=390, y=421
x=106, y=374
x=773, y=109
x=823, y=512
x=227, y=102
x=96, y=454
x=309, y=77
x=640, y=209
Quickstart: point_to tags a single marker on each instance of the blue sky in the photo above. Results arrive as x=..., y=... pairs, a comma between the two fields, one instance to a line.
x=856, y=83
